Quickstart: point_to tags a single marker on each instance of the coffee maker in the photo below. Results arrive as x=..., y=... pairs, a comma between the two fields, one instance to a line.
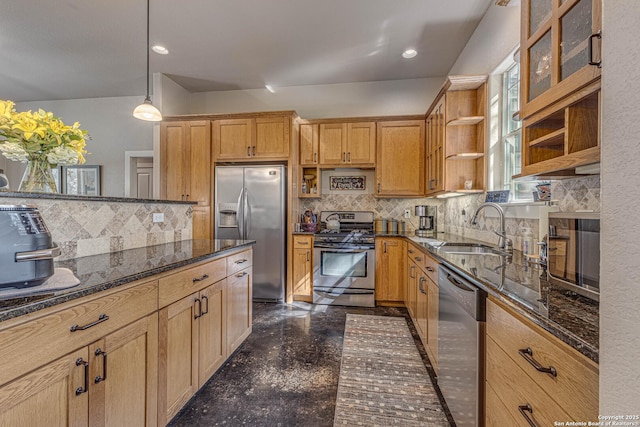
x=427, y=215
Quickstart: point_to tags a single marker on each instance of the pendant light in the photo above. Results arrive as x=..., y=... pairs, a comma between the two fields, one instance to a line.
x=146, y=110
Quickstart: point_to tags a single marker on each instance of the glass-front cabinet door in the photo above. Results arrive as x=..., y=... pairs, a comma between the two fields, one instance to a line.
x=560, y=49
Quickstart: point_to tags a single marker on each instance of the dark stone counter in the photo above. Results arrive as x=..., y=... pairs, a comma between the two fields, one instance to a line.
x=106, y=199
x=523, y=287
x=105, y=271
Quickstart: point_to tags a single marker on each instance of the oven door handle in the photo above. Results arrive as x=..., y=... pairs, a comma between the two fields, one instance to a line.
x=39, y=254
x=351, y=292
x=336, y=248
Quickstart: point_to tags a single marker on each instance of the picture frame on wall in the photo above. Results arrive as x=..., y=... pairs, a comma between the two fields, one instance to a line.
x=82, y=180
x=347, y=182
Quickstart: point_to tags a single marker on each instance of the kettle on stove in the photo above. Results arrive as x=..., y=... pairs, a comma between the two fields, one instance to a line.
x=27, y=251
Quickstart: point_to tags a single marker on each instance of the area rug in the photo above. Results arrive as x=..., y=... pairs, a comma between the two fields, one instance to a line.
x=383, y=381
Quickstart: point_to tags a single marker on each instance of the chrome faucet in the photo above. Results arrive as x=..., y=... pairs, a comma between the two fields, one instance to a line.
x=503, y=242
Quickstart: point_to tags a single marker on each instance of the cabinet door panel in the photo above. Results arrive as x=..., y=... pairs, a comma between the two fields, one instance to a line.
x=212, y=346
x=199, y=170
x=308, y=144
x=238, y=308
x=302, y=274
x=361, y=143
x=47, y=396
x=272, y=137
x=233, y=138
x=390, y=269
x=432, y=323
x=333, y=143
x=400, y=159
x=178, y=357
x=201, y=223
x=174, y=150
x=128, y=393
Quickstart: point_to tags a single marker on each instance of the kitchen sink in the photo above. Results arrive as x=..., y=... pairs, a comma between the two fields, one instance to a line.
x=469, y=248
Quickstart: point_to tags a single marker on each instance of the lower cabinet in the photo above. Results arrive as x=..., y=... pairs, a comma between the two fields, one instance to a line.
x=390, y=253
x=303, y=268
x=239, y=308
x=410, y=295
x=534, y=377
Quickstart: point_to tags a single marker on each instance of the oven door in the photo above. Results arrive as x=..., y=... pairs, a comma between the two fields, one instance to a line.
x=344, y=276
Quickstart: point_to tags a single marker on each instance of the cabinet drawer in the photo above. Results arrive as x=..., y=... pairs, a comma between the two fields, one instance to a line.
x=575, y=386
x=415, y=254
x=424, y=261
x=239, y=261
x=302, y=242
x=41, y=340
x=514, y=388
x=177, y=286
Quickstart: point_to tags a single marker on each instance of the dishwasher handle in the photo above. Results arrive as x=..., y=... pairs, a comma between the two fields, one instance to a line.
x=471, y=298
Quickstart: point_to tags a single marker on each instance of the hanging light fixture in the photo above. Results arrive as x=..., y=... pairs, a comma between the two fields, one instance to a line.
x=146, y=110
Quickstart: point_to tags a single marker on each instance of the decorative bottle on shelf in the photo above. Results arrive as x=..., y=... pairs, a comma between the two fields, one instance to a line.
x=304, y=187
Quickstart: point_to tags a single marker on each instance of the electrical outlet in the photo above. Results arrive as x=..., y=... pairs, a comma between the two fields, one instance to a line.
x=158, y=217
x=464, y=212
x=407, y=213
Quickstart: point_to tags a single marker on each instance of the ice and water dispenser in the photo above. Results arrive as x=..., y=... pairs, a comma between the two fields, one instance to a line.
x=228, y=215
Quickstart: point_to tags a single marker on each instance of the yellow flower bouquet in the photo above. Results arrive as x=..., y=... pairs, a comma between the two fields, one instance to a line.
x=42, y=140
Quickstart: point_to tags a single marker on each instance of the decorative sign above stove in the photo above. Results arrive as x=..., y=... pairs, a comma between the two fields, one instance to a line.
x=347, y=182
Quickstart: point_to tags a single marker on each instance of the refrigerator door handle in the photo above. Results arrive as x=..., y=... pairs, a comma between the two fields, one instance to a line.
x=247, y=215
x=240, y=214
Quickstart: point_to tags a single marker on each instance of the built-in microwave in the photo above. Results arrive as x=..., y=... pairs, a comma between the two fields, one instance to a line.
x=573, y=252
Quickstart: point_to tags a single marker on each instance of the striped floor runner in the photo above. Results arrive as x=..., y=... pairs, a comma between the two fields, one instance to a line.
x=383, y=381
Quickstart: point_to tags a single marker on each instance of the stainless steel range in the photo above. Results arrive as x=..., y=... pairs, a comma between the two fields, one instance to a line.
x=344, y=259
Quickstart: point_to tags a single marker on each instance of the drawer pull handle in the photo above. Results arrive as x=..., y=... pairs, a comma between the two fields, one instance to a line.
x=244, y=273
x=101, y=318
x=81, y=390
x=418, y=258
x=248, y=151
x=242, y=261
x=410, y=251
x=422, y=279
x=302, y=243
x=523, y=411
x=206, y=305
x=201, y=278
x=199, y=312
x=100, y=352
x=430, y=270
x=411, y=268
x=527, y=353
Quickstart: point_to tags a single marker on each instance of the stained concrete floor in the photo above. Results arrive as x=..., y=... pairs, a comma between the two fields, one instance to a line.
x=285, y=373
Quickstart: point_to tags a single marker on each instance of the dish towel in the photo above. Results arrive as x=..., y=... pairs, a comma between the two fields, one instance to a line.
x=62, y=278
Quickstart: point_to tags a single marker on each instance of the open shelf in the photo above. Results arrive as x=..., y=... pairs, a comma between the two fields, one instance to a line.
x=462, y=121
x=465, y=156
x=312, y=178
x=553, y=138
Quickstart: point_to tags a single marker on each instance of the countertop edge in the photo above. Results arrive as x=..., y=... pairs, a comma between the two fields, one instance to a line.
x=75, y=198
x=550, y=326
x=55, y=300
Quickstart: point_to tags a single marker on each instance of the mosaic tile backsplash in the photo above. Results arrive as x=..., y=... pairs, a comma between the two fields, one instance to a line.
x=382, y=208
x=83, y=228
x=577, y=194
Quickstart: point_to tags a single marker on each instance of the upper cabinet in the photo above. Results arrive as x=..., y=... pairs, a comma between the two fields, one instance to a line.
x=456, y=129
x=343, y=144
x=308, y=144
x=559, y=49
x=400, y=160
x=252, y=138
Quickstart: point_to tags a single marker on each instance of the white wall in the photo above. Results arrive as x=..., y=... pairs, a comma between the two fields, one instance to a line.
x=169, y=97
x=112, y=128
x=619, y=246
x=393, y=97
x=495, y=37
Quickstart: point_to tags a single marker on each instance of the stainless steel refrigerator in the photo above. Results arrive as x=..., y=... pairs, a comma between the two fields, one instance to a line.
x=250, y=204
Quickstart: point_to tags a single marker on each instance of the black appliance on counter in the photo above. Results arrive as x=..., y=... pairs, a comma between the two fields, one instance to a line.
x=26, y=248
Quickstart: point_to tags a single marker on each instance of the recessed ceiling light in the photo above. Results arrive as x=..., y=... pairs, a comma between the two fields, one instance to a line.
x=409, y=53
x=161, y=50
x=270, y=88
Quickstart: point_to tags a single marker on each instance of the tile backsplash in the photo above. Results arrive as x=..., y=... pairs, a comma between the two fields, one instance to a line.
x=83, y=228
x=577, y=194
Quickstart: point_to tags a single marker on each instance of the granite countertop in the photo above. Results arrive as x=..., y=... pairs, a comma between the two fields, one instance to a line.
x=523, y=287
x=58, y=196
x=105, y=271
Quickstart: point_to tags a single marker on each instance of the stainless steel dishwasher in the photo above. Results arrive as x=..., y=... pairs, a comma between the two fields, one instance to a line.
x=461, y=321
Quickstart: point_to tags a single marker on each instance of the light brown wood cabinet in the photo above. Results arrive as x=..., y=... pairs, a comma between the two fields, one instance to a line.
x=400, y=151
x=559, y=50
x=422, y=301
x=77, y=377
x=390, y=264
x=239, y=308
x=303, y=268
x=533, y=374
x=309, y=144
x=347, y=143
x=185, y=169
x=256, y=138
x=456, y=136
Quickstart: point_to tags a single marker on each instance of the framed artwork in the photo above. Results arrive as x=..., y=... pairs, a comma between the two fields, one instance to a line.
x=82, y=180
x=500, y=196
x=347, y=182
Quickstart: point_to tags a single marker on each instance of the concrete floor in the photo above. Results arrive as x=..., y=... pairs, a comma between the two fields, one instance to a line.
x=285, y=373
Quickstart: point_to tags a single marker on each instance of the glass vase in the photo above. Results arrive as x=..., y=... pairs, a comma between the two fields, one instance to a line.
x=38, y=177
